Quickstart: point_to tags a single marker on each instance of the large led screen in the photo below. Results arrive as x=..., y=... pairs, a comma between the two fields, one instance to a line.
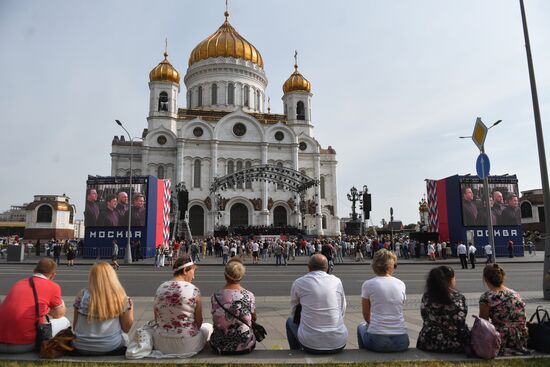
x=503, y=203
x=108, y=202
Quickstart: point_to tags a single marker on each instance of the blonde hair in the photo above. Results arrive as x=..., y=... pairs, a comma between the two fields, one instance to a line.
x=383, y=261
x=234, y=270
x=107, y=296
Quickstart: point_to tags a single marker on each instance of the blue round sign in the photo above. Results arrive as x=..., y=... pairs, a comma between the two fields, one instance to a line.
x=483, y=166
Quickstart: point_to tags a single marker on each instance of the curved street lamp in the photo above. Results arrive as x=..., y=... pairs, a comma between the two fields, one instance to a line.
x=128, y=252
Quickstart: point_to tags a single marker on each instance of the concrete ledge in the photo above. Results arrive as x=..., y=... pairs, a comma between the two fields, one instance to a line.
x=278, y=357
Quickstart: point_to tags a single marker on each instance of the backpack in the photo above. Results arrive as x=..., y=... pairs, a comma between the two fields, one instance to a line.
x=484, y=340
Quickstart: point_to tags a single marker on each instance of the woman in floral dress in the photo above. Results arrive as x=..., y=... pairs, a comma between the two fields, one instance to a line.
x=178, y=313
x=231, y=335
x=443, y=311
x=506, y=310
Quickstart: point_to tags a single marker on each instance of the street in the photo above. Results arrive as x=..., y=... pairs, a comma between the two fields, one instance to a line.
x=269, y=280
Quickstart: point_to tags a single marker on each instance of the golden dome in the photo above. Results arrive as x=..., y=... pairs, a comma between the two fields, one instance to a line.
x=296, y=82
x=164, y=72
x=226, y=42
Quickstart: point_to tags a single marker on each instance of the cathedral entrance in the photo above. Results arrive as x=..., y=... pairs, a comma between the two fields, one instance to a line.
x=279, y=216
x=239, y=215
x=196, y=220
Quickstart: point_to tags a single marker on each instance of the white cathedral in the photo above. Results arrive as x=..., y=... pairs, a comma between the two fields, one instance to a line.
x=226, y=128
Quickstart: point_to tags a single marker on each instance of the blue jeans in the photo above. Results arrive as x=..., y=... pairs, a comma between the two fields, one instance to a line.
x=294, y=343
x=381, y=343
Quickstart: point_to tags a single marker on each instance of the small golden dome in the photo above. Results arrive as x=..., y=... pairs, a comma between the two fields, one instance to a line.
x=164, y=72
x=296, y=82
x=226, y=42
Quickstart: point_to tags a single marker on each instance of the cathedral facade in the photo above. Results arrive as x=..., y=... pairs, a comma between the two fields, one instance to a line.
x=226, y=127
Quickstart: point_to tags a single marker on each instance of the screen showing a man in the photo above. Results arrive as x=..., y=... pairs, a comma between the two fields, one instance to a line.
x=138, y=210
x=91, y=212
x=108, y=217
x=502, y=212
x=469, y=207
x=122, y=204
x=511, y=215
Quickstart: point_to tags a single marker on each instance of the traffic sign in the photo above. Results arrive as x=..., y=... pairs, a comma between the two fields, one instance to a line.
x=479, y=134
x=483, y=165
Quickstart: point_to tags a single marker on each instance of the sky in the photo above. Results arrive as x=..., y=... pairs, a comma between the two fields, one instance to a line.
x=394, y=84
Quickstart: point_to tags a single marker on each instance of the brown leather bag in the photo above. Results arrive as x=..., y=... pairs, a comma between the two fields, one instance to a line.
x=59, y=345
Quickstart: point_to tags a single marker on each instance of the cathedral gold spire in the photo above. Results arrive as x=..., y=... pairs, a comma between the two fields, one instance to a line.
x=226, y=42
x=164, y=71
x=296, y=81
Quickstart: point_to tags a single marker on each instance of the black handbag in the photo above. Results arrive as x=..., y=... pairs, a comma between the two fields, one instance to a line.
x=539, y=332
x=258, y=330
x=43, y=331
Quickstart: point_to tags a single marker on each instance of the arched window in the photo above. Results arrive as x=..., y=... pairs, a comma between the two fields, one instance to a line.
x=280, y=185
x=230, y=167
x=246, y=97
x=285, y=110
x=160, y=172
x=189, y=94
x=324, y=222
x=239, y=168
x=44, y=214
x=526, y=210
x=197, y=174
x=71, y=215
x=300, y=111
x=214, y=93
x=322, y=184
x=258, y=95
x=248, y=184
x=199, y=97
x=231, y=93
x=163, y=101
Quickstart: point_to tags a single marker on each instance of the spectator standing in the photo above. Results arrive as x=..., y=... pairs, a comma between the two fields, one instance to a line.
x=489, y=253
x=462, y=251
x=472, y=254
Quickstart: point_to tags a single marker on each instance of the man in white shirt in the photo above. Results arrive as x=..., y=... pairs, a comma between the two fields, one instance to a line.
x=255, y=252
x=472, y=254
x=321, y=327
x=489, y=253
x=461, y=251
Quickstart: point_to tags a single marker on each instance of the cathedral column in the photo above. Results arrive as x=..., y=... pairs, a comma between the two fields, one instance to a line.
x=318, y=214
x=144, y=161
x=214, y=159
x=295, y=156
x=180, y=162
x=264, y=214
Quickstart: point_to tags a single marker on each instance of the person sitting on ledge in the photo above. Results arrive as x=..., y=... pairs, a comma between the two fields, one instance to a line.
x=320, y=329
x=233, y=310
x=382, y=303
x=103, y=313
x=443, y=311
x=18, y=311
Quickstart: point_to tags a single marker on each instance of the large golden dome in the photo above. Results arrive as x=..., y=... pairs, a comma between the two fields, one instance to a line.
x=164, y=72
x=226, y=42
x=296, y=82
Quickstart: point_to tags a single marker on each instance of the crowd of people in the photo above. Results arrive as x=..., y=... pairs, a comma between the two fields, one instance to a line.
x=474, y=210
x=104, y=313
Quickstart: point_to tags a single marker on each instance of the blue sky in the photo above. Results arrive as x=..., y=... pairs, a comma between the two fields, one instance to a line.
x=395, y=83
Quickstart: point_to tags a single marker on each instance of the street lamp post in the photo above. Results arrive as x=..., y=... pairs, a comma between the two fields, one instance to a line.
x=542, y=156
x=487, y=196
x=128, y=252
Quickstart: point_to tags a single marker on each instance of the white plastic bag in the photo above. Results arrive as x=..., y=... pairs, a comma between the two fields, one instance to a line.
x=141, y=344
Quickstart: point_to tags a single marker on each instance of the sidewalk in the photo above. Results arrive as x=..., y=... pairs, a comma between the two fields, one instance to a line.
x=272, y=314
x=300, y=260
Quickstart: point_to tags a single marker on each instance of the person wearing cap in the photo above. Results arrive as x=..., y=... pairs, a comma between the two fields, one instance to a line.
x=231, y=335
x=178, y=313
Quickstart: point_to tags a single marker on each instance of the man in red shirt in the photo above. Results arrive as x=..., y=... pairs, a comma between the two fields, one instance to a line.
x=18, y=311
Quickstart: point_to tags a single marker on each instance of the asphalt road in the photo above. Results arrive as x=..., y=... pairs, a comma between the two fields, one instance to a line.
x=269, y=280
